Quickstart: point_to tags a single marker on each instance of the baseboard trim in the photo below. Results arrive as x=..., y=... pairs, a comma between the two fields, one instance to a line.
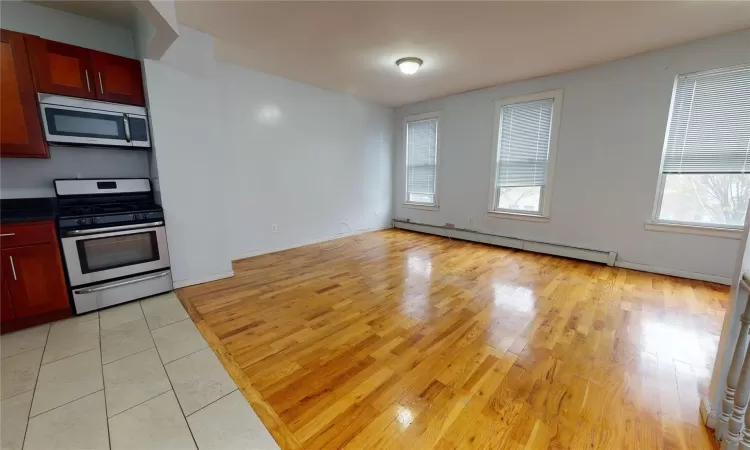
x=219, y=276
x=584, y=254
x=317, y=241
x=201, y=280
x=674, y=272
x=554, y=249
x=709, y=417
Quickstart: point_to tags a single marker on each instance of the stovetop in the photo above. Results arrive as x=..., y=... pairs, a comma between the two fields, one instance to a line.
x=104, y=203
x=106, y=208
x=86, y=215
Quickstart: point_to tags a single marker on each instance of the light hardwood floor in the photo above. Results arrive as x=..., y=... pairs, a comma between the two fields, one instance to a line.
x=396, y=339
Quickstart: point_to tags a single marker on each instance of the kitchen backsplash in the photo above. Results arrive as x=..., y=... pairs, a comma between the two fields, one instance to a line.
x=26, y=177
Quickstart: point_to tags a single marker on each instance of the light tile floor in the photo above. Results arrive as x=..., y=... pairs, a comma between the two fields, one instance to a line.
x=137, y=376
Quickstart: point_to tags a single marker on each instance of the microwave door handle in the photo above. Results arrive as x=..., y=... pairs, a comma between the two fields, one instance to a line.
x=126, y=121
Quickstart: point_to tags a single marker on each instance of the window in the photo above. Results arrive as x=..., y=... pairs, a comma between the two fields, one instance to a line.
x=421, y=159
x=524, y=153
x=705, y=171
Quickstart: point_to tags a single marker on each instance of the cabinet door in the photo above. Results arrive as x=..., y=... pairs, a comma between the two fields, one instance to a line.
x=6, y=308
x=20, y=127
x=117, y=79
x=61, y=68
x=35, y=279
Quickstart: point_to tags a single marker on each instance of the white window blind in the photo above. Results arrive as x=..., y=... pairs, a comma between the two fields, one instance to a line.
x=421, y=161
x=705, y=177
x=523, y=144
x=709, y=128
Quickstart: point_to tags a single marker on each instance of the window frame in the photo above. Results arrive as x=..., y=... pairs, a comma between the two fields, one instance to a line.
x=556, y=95
x=677, y=226
x=435, y=205
x=657, y=224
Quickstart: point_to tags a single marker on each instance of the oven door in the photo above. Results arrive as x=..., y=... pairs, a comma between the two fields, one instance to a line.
x=72, y=125
x=96, y=255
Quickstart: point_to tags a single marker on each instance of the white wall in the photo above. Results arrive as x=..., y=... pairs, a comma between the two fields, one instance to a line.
x=65, y=27
x=303, y=158
x=26, y=177
x=190, y=150
x=32, y=177
x=237, y=151
x=156, y=27
x=612, y=129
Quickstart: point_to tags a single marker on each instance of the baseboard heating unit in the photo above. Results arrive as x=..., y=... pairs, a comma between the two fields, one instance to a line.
x=584, y=254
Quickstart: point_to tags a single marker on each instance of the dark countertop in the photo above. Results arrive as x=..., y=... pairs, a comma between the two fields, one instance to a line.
x=27, y=209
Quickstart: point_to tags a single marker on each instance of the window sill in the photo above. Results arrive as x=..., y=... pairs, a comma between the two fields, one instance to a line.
x=517, y=216
x=424, y=207
x=727, y=233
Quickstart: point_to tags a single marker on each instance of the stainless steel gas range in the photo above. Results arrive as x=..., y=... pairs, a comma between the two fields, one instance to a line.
x=113, y=240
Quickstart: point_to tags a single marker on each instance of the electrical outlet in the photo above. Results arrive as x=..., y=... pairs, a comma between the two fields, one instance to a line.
x=377, y=214
x=274, y=228
x=471, y=219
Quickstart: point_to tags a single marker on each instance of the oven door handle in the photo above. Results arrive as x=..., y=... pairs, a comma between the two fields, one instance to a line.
x=118, y=228
x=151, y=276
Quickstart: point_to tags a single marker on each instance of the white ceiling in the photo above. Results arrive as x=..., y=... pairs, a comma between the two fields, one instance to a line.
x=116, y=12
x=351, y=47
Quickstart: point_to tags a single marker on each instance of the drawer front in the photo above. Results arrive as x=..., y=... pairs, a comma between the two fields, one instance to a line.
x=109, y=294
x=27, y=233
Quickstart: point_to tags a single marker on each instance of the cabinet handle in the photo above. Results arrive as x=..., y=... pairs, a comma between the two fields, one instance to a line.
x=101, y=86
x=88, y=85
x=7, y=234
x=13, y=268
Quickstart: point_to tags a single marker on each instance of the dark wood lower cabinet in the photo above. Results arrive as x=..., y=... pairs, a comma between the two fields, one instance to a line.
x=36, y=283
x=33, y=283
x=6, y=307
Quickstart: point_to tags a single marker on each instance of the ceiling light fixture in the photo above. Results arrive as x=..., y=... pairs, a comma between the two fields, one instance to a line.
x=409, y=65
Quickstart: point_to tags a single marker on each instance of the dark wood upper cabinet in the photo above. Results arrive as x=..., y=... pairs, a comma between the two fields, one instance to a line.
x=30, y=65
x=61, y=68
x=20, y=127
x=118, y=79
x=79, y=72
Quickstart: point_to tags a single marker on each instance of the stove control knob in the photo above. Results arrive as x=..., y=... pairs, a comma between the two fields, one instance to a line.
x=79, y=221
x=94, y=220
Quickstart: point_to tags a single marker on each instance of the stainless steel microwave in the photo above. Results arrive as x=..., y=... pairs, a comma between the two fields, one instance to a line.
x=69, y=120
